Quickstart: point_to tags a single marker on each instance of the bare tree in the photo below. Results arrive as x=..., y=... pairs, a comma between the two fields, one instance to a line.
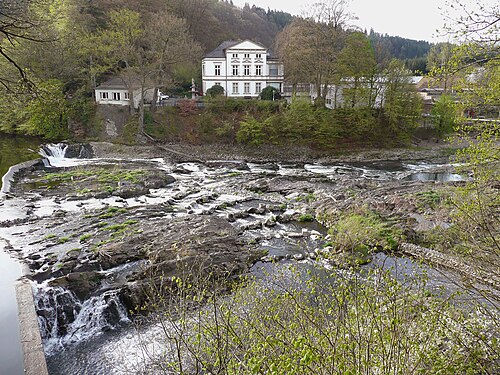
x=144, y=56
x=334, y=13
x=20, y=21
x=310, y=47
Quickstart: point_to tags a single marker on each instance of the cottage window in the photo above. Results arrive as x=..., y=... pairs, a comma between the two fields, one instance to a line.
x=126, y=96
x=258, y=87
x=246, y=88
x=246, y=70
x=235, y=70
x=235, y=88
x=258, y=70
x=104, y=95
x=217, y=69
x=116, y=96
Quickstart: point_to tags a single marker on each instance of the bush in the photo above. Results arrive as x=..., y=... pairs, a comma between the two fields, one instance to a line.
x=214, y=91
x=251, y=132
x=361, y=231
x=270, y=93
x=297, y=323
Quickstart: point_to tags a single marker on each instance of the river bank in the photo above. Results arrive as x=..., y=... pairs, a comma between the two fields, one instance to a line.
x=94, y=230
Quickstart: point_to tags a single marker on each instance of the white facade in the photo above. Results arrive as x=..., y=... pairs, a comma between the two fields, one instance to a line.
x=243, y=69
x=115, y=92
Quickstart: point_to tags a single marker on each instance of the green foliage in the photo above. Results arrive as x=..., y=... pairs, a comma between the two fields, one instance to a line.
x=85, y=237
x=357, y=62
x=306, y=217
x=63, y=240
x=251, y=131
x=445, y=115
x=298, y=323
x=270, y=93
x=365, y=230
x=476, y=203
x=46, y=113
x=402, y=105
x=214, y=91
x=429, y=199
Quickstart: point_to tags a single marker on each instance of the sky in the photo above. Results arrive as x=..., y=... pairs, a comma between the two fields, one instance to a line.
x=413, y=19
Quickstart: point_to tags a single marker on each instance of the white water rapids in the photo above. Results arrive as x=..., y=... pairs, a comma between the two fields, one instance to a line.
x=94, y=328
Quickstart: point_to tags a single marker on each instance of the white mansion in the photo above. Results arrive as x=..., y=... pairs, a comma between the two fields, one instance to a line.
x=242, y=68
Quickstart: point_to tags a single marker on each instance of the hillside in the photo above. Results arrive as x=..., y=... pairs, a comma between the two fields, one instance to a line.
x=211, y=22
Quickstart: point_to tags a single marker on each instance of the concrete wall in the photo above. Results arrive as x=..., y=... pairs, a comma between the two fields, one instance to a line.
x=31, y=340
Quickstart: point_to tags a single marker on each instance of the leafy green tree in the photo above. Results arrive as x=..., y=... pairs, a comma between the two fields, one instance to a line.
x=444, y=115
x=476, y=217
x=270, y=93
x=439, y=62
x=22, y=21
x=402, y=106
x=47, y=113
x=356, y=66
x=296, y=322
x=310, y=46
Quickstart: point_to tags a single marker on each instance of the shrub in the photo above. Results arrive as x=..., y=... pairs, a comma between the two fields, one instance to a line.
x=366, y=230
x=215, y=90
x=270, y=93
x=251, y=132
x=297, y=323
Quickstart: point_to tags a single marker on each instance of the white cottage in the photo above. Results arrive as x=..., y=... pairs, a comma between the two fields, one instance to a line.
x=242, y=68
x=116, y=92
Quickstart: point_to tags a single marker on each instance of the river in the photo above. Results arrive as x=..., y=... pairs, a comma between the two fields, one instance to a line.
x=13, y=150
x=67, y=233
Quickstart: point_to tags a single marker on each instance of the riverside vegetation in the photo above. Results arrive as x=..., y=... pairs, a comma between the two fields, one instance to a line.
x=346, y=320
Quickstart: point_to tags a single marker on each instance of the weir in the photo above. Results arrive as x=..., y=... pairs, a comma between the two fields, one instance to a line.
x=79, y=278
x=23, y=353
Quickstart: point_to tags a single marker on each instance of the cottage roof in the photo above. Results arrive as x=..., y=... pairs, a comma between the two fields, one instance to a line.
x=113, y=83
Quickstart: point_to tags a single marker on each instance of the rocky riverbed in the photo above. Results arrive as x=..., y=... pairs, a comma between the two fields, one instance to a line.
x=94, y=222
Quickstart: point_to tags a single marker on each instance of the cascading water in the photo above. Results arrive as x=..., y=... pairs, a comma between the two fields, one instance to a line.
x=55, y=151
x=65, y=320
x=63, y=155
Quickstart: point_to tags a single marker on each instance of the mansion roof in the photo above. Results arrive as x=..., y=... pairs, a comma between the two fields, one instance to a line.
x=220, y=51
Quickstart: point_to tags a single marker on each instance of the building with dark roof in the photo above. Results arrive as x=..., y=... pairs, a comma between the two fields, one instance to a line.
x=117, y=91
x=242, y=68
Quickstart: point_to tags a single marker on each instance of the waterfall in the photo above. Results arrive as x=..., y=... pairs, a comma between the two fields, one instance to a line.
x=56, y=151
x=63, y=155
x=54, y=154
x=65, y=320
